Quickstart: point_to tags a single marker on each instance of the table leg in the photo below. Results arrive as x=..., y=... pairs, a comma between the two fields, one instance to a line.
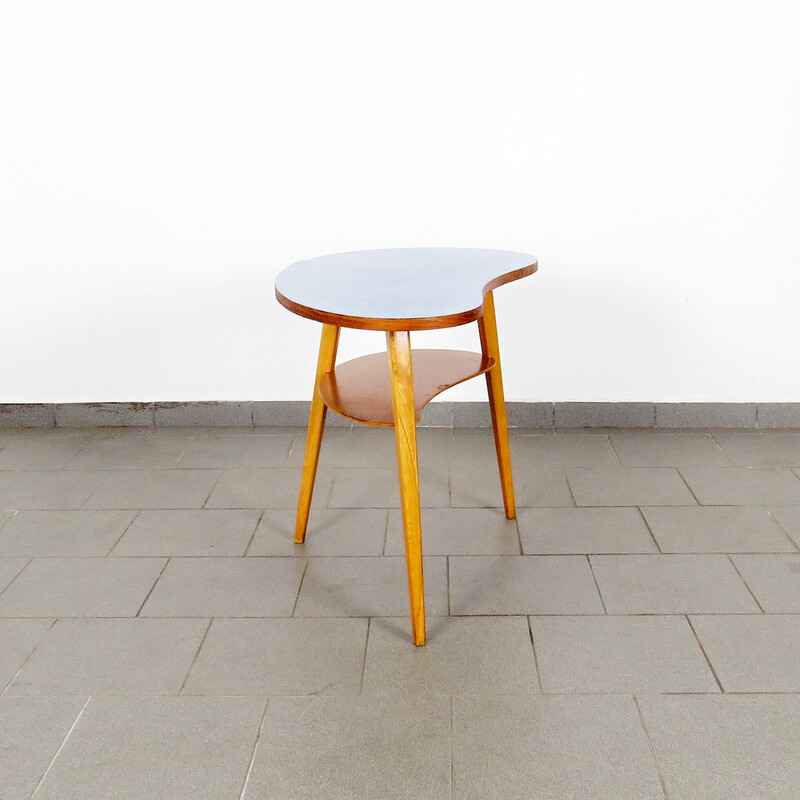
x=405, y=430
x=487, y=326
x=316, y=424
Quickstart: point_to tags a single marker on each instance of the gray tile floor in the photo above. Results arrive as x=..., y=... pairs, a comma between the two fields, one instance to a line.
x=634, y=634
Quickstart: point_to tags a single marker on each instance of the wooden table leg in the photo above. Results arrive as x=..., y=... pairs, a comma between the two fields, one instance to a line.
x=405, y=430
x=487, y=326
x=316, y=424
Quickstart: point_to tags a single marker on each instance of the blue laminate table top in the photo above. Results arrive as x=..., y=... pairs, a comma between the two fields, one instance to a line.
x=399, y=289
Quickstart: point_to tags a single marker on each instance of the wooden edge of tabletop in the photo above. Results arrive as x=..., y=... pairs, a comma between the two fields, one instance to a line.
x=400, y=324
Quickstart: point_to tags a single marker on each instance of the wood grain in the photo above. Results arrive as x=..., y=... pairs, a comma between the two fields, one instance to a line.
x=405, y=429
x=361, y=389
x=329, y=343
x=487, y=327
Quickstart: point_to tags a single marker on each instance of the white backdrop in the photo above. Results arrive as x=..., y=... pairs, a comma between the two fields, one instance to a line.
x=161, y=161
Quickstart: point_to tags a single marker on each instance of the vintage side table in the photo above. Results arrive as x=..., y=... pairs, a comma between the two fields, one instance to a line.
x=399, y=291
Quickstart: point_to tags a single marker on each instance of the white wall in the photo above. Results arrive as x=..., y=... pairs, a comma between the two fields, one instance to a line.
x=161, y=161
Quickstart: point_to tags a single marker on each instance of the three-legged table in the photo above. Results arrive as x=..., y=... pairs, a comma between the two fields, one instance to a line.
x=399, y=291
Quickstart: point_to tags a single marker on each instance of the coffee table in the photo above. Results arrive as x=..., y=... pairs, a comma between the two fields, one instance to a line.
x=400, y=291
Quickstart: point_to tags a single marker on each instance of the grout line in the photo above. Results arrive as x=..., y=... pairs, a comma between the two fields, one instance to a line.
x=569, y=486
x=102, y=482
x=782, y=529
x=61, y=747
x=127, y=528
x=364, y=662
x=197, y=653
x=535, y=657
x=327, y=502
x=452, y=762
x=652, y=535
x=652, y=747
x=211, y=491
x=447, y=579
x=147, y=597
x=519, y=535
x=5, y=520
x=21, y=570
x=721, y=449
x=35, y=648
x=597, y=585
x=386, y=531
x=614, y=449
x=747, y=585
x=300, y=586
x=255, y=747
x=253, y=535
x=686, y=483
x=705, y=655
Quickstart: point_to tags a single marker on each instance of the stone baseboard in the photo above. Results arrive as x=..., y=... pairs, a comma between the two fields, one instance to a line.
x=443, y=415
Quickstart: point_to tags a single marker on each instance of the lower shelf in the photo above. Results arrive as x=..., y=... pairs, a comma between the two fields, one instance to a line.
x=361, y=390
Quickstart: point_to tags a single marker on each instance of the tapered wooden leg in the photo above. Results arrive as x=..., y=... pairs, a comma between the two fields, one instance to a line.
x=487, y=327
x=405, y=431
x=316, y=424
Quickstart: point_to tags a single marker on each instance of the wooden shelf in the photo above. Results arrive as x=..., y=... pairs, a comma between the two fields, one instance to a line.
x=360, y=389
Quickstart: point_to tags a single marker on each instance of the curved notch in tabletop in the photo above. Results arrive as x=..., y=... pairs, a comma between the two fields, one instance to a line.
x=399, y=290
x=360, y=389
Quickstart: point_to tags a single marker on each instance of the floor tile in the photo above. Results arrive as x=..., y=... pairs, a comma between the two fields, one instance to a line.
x=743, y=486
x=358, y=448
x=440, y=448
x=649, y=449
x=497, y=585
x=627, y=486
x=379, y=488
x=788, y=517
x=81, y=587
x=31, y=731
x=532, y=487
x=145, y=748
x=41, y=454
x=716, y=529
x=154, y=489
x=188, y=532
x=542, y=748
x=53, y=489
x=237, y=452
x=726, y=746
x=9, y=569
x=768, y=449
x=330, y=532
x=619, y=655
x=126, y=452
x=464, y=655
x=265, y=488
x=368, y=587
x=63, y=533
x=671, y=584
x=280, y=657
x=111, y=657
x=457, y=531
x=753, y=653
x=352, y=748
x=584, y=530
x=562, y=451
x=773, y=579
x=226, y=587
x=19, y=638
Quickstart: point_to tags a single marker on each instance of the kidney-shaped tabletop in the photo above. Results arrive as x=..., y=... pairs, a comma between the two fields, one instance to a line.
x=407, y=289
